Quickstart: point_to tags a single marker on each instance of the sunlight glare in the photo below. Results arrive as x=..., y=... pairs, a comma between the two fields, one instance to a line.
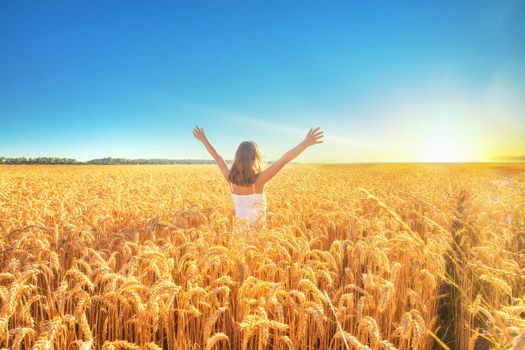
x=443, y=148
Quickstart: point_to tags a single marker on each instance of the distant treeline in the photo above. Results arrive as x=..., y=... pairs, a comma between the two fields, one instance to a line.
x=39, y=160
x=108, y=160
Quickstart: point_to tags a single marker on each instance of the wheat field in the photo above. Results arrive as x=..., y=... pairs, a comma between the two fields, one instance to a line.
x=394, y=256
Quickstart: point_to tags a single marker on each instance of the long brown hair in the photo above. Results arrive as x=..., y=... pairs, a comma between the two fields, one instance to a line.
x=246, y=164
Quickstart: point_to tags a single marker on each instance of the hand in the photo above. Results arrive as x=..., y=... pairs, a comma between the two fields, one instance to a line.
x=313, y=137
x=199, y=134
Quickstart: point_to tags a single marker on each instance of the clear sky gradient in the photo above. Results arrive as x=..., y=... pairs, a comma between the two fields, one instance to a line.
x=418, y=81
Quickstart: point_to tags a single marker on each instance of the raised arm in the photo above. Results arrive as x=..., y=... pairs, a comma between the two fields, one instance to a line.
x=201, y=136
x=313, y=137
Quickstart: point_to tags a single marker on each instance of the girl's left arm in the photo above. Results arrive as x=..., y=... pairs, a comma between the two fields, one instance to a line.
x=201, y=136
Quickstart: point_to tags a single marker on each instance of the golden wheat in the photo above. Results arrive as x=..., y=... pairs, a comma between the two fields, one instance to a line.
x=352, y=257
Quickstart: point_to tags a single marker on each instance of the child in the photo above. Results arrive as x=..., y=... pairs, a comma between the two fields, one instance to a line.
x=246, y=178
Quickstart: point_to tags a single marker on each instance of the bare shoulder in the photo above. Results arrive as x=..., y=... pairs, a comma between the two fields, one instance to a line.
x=260, y=183
x=268, y=173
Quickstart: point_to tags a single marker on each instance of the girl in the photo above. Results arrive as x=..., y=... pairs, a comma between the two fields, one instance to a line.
x=245, y=177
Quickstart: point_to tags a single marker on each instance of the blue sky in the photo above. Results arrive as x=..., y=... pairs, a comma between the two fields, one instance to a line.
x=89, y=79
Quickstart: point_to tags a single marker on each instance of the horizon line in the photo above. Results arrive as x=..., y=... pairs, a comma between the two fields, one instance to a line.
x=74, y=161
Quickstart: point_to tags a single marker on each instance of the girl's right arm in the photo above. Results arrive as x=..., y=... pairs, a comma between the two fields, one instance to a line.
x=313, y=137
x=201, y=136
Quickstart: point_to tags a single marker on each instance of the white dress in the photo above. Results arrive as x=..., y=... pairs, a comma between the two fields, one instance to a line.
x=250, y=208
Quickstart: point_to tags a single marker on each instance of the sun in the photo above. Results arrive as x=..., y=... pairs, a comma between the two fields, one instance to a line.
x=444, y=148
